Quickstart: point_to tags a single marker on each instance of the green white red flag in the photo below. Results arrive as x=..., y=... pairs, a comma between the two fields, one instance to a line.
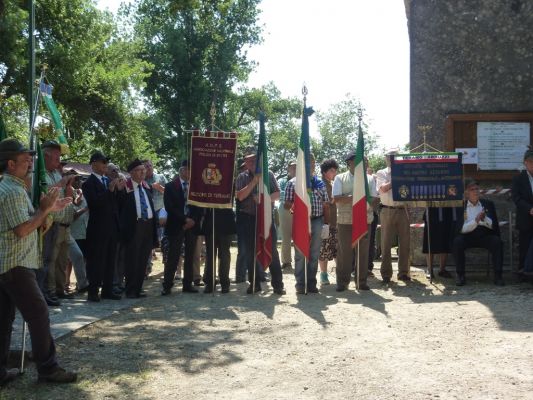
x=360, y=196
x=301, y=222
x=264, y=205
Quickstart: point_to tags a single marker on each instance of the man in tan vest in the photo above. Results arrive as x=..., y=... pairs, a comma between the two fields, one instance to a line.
x=394, y=219
x=346, y=254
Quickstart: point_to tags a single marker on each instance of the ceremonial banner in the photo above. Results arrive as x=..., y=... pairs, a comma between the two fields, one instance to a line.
x=212, y=168
x=428, y=179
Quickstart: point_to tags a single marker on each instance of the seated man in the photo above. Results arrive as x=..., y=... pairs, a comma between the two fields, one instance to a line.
x=477, y=227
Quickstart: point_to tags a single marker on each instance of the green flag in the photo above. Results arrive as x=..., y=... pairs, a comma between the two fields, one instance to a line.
x=39, y=176
x=46, y=91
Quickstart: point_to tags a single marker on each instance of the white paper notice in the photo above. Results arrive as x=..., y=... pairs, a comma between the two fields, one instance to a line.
x=469, y=155
x=501, y=145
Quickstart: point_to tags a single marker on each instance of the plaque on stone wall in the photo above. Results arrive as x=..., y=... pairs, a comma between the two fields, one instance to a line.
x=501, y=145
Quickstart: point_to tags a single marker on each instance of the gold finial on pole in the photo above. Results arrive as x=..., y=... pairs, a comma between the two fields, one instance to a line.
x=424, y=129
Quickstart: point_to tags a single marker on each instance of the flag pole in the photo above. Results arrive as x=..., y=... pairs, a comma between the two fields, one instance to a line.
x=255, y=249
x=358, y=271
x=31, y=98
x=213, y=113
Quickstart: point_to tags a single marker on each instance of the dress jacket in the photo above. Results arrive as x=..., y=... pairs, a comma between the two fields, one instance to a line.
x=523, y=198
x=490, y=211
x=103, y=211
x=128, y=212
x=174, y=199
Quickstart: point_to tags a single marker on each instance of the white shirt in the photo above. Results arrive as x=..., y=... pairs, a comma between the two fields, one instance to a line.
x=472, y=211
x=138, y=200
x=372, y=190
x=383, y=177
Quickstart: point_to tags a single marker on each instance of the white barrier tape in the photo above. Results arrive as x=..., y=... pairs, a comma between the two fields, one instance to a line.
x=495, y=191
x=421, y=225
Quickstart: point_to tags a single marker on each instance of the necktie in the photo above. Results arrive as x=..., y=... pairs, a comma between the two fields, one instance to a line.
x=185, y=195
x=104, y=181
x=144, y=205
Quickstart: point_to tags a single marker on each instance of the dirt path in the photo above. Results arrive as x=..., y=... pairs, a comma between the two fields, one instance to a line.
x=397, y=342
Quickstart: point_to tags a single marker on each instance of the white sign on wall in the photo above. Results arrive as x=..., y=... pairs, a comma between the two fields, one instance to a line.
x=501, y=145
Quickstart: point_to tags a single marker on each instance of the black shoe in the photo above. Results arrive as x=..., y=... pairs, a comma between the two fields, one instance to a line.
x=340, y=288
x=250, y=289
x=189, y=289
x=51, y=302
x=10, y=375
x=177, y=278
x=225, y=289
x=198, y=282
x=111, y=296
x=64, y=295
x=286, y=266
x=404, y=277
x=132, y=296
x=93, y=297
x=460, y=280
x=83, y=289
x=58, y=375
x=499, y=281
x=364, y=286
x=385, y=280
x=312, y=290
x=165, y=292
x=444, y=273
x=280, y=291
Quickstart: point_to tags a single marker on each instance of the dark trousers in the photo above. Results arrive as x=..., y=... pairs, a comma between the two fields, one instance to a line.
x=222, y=245
x=481, y=237
x=138, y=250
x=49, y=241
x=19, y=289
x=101, y=264
x=524, y=239
x=276, y=275
x=372, y=242
x=240, y=267
x=275, y=266
x=247, y=224
x=174, y=250
x=82, y=244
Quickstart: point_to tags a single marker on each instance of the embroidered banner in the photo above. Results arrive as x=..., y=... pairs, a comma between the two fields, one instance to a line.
x=428, y=179
x=212, y=169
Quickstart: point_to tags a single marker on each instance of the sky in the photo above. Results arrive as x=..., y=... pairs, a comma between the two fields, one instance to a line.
x=337, y=47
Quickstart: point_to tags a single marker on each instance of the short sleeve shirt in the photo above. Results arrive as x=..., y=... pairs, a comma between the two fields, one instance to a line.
x=248, y=205
x=15, y=209
x=157, y=197
x=319, y=195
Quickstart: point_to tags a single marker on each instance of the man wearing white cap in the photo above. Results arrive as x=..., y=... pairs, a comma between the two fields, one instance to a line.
x=394, y=218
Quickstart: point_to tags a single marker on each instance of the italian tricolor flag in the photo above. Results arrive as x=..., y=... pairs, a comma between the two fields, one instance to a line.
x=301, y=226
x=264, y=205
x=360, y=192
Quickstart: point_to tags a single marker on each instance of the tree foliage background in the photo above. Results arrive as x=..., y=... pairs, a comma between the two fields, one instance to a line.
x=133, y=84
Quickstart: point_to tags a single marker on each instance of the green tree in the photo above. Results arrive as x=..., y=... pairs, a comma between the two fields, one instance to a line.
x=339, y=126
x=95, y=74
x=198, y=52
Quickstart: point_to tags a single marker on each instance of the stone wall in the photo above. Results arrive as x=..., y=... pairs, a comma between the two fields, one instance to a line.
x=468, y=56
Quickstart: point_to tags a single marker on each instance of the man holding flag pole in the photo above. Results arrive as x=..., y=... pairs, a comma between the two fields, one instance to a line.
x=354, y=215
x=307, y=197
x=257, y=190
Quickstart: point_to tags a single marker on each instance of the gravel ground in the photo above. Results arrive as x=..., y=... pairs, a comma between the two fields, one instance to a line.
x=414, y=341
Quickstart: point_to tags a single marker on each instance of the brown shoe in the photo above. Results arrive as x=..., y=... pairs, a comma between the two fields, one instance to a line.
x=10, y=375
x=58, y=375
